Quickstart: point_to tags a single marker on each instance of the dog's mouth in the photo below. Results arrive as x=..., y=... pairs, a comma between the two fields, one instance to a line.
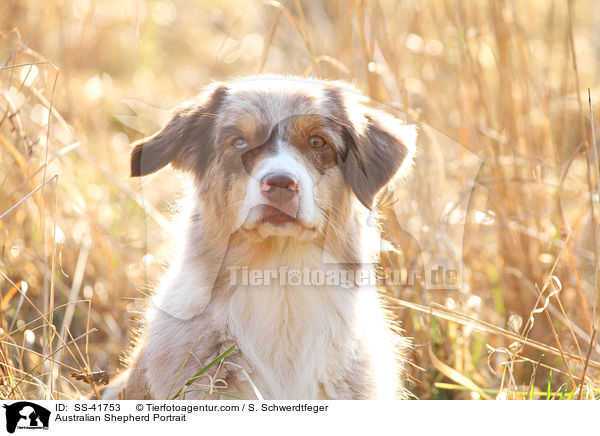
x=270, y=220
x=275, y=216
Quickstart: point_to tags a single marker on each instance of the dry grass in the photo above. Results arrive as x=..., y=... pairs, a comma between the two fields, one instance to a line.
x=506, y=184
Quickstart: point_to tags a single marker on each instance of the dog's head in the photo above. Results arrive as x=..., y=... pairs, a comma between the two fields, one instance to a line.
x=278, y=156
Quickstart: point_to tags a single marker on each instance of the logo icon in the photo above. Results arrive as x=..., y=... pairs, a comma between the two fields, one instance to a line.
x=26, y=415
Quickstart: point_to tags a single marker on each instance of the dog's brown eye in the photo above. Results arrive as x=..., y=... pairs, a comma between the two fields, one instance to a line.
x=239, y=143
x=316, y=141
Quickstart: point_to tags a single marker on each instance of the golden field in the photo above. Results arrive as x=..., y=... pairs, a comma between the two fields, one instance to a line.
x=505, y=187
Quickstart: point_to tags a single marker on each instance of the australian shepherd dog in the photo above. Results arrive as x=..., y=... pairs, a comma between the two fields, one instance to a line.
x=278, y=242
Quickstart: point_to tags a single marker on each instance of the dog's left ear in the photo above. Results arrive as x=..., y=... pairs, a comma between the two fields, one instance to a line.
x=379, y=147
x=184, y=141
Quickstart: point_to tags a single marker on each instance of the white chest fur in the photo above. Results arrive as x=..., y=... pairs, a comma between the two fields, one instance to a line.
x=296, y=338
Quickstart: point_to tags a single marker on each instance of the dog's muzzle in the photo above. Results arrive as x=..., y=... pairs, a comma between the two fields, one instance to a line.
x=280, y=196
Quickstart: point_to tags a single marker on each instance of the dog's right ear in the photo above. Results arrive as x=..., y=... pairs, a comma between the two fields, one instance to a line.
x=184, y=141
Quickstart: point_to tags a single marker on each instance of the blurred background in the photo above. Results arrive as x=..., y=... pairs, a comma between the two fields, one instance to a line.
x=505, y=187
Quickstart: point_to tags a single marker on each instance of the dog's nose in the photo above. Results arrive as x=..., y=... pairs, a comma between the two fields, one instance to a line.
x=278, y=180
x=279, y=187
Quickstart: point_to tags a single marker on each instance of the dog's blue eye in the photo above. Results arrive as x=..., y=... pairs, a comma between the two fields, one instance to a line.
x=239, y=143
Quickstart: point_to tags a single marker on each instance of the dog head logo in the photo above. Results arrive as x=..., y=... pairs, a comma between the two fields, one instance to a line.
x=24, y=414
